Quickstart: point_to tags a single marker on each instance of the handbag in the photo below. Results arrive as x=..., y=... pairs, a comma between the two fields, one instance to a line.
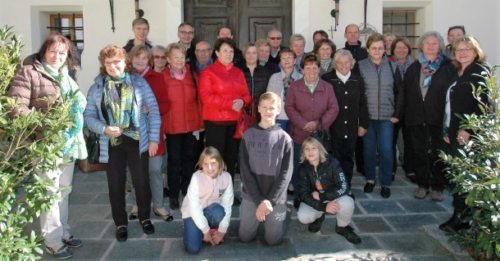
x=91, y=163
x=246, y=120
x=323, y=136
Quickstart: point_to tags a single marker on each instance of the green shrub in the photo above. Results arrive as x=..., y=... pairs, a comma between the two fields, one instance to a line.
x=475, y=172
x=23, y=195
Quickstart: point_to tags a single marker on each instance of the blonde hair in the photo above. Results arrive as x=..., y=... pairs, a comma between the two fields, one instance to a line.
x=472, y=43
x=271, y=96
x=312, y=141
x=173, y=46
x=213, y=153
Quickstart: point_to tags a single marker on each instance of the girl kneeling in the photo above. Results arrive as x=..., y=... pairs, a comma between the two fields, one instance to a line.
x=206, y=209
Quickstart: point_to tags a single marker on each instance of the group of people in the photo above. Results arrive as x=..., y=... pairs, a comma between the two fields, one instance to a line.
x=191, y=102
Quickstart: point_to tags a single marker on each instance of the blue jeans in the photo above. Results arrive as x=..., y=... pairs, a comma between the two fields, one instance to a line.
x=192, y=234
x=156, y=181
x=378, y=138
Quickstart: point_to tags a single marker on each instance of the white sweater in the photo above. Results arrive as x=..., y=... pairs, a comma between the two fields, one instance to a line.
x=204, y=191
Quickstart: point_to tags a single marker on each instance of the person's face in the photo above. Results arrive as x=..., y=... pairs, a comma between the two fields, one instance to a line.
x=388, y=42
x=343, y=64
x=141, y=31
x=225, y=54
x=274, y=39
x=56, y=55
x=140, y=62
x=376, y=50
x=454, y=34
x=210, y=167
x=186, y=34
x=352, y=35
x=311, y=153
x=176, y=59
x=430, y=46
x=325, y=51
x=251, y=55
x=263, y=52
x=115, y=66
x=465, y=54
x=317, y=37
x=225, y=33
x=268, y=110
x=311, y=72
x=298, y=47
x=203, y=52
x=401, y=51
x=159, y=59
x=287, y=61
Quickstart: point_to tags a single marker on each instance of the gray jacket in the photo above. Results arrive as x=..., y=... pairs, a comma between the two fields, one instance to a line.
x=379, y=88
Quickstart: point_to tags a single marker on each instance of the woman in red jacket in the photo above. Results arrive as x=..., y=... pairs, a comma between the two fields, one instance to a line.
x=182, y=119
x=223, y=93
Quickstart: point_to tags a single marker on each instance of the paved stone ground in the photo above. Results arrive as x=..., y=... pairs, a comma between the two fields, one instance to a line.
x=398, y=228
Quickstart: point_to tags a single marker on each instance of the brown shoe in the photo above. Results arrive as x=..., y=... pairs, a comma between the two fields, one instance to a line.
x=421, y=193
x=437, y=196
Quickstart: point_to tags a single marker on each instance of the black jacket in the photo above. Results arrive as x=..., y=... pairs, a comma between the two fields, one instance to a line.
x=358, y=53
x=414, y=109
x=461, y=99
x=130, y=45
x=257, y=84
x=351, y=98
x=332, y=179
x=276, y=60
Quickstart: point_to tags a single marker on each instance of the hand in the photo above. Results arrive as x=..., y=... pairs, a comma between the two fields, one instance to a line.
x=394, y=120
x=238, y=104
x=264, y=208
x=113, y=131
x=332, y=207
x=153, y=147
x=217, y=237
x=145, y=109
x=311, y=126
x=315, y=195
x=463, y=137
x=361, y=131
x=446, y=139
x=208, y=238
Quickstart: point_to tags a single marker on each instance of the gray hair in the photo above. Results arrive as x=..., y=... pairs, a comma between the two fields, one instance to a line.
x=160, y=48
x=343, y=52
x=431, y=34
x=297, y=37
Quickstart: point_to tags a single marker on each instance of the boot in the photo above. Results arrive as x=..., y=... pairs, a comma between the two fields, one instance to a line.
x=455, y=223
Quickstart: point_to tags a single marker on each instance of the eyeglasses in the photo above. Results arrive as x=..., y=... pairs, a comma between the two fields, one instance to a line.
x=187, y=32
x=115, y=63
x=159, y=57
x=275, y=38
x=463, y=50
x=203, y=50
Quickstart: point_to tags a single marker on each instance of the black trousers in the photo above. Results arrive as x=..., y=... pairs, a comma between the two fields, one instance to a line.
x=458, y=199
x=181, y=161
x=408, y=154
x=121, y=156
x=360, y=161
x=427, y=141
x=343, y=151
x=220, y=136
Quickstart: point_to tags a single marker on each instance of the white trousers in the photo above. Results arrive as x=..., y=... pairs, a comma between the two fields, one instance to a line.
x=54, y=222
x=308, y=214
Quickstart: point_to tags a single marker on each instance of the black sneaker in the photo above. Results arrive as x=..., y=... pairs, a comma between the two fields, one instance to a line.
x=385, y=192
x=121, y=233
x=348, y=233
x=236, y=200
x=369, y=187
x=72, y=242
x=174, y=203
x=147, y=227
x=316, y=225
x=61, y=254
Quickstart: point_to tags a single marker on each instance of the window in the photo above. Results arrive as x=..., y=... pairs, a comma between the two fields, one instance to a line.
x=402, y=23
x=69, y=25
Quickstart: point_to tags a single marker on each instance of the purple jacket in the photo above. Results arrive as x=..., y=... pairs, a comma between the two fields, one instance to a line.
x=302, y=106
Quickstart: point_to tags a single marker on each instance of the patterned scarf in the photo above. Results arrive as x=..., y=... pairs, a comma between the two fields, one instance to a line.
x=119, y=103
x=325, y=65
x=403, y=66
x=74, y=142
x=429, y=68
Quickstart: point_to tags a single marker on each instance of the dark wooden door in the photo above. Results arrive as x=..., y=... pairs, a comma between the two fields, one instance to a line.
x=249, y=19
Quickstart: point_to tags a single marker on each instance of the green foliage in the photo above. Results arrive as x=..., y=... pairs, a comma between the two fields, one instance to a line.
x=28, y=145
x=475, y=172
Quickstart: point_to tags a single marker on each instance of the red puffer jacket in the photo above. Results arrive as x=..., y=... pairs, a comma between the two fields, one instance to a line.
x=219, y=86
x=183, y=114
x=157, y=84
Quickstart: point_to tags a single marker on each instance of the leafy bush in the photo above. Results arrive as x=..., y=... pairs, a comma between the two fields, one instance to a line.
x=23, y=195
x=475, y=172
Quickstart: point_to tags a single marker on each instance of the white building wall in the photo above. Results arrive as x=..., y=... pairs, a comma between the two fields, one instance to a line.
x=30, y=19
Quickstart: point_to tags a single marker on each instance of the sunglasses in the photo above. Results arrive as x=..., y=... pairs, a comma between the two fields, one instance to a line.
x=275, y=38
x=159, y=57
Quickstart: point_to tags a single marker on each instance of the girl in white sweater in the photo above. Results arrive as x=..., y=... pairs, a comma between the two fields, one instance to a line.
x=206, y=209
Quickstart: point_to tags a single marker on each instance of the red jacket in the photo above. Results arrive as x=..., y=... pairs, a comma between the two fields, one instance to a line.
x=155, y=81
x=183, y=114
x=219, y=86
